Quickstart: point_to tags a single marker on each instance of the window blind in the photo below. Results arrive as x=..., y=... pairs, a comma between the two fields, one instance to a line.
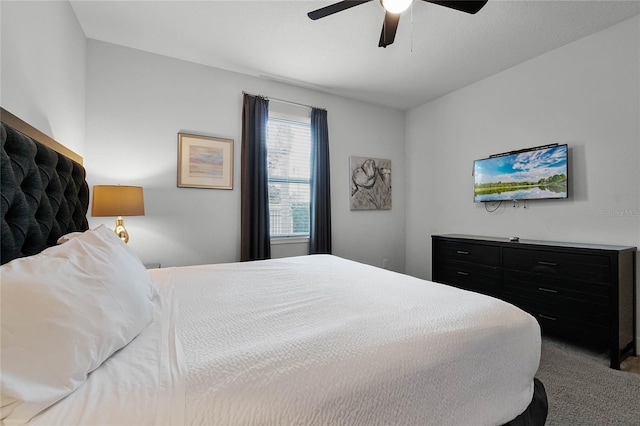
x=289, y=170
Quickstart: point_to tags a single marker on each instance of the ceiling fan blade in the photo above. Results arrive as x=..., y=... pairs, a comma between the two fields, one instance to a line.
x=335, y=8
x=389, y=28
x=471, y=6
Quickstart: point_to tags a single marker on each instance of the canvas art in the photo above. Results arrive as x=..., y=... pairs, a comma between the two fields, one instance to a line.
x=370, y=183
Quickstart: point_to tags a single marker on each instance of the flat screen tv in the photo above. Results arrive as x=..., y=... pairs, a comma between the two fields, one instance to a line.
x=529, y=174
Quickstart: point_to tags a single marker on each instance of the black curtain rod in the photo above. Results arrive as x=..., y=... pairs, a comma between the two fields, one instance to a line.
x=283, y=101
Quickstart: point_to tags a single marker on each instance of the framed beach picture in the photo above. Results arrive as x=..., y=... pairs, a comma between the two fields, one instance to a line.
x=205, y=162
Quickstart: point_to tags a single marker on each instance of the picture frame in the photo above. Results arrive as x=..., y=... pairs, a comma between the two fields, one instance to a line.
x=370, y=183
x=205, y=162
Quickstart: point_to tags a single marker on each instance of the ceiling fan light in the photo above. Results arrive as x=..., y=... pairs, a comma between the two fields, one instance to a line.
x=396, y=6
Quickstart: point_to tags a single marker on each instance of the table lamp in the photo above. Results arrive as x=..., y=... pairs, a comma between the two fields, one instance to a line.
x=118, y=200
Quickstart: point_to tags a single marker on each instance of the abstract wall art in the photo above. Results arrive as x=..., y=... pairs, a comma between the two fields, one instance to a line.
x=370, y=183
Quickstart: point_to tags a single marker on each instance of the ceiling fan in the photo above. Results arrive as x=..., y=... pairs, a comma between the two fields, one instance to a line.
x=393, y=9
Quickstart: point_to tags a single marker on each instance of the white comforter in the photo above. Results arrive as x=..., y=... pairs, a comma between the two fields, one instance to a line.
x=313, y=340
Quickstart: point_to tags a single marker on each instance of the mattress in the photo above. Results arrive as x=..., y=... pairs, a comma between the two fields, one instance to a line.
x=313, y=340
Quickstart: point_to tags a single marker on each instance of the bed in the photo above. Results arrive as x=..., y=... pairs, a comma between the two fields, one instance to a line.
x=89, y=336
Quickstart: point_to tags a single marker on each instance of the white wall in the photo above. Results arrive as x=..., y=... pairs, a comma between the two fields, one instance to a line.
x=43, y=61
x=137, y=102
x=586, y=94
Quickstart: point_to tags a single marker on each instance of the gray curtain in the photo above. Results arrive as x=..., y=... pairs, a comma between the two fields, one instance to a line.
x=320, y=220
x=255, y=242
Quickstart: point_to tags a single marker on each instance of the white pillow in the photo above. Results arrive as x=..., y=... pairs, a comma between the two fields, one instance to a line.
x=64, y=312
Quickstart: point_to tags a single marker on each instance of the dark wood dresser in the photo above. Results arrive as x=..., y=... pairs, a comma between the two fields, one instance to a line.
x=584, y=292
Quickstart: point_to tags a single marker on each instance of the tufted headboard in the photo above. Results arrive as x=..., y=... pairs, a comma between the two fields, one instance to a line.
x=44, y=192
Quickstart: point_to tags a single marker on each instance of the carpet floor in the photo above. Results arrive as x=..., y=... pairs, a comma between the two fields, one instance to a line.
x=582, y=389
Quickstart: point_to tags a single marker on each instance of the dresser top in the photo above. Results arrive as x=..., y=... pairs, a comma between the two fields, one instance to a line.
x=537, y=242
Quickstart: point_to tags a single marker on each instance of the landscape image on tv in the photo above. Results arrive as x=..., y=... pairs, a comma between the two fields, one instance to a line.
x=532, y=174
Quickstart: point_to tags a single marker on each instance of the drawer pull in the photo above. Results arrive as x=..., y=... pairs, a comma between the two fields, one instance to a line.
x=548, y=290
x=541, y=262
x=462, y=252
x=462, y=273
x=547, y=317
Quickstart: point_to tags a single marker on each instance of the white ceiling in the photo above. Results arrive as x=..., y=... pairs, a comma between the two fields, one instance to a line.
x=437, y=50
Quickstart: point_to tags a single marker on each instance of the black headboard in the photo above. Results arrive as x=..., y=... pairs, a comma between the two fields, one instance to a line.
x=44, y=193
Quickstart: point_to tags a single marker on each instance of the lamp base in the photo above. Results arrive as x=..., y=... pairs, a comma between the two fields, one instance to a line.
x=120, y=230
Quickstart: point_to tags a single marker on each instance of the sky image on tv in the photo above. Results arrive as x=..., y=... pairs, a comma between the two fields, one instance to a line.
x=538, y=173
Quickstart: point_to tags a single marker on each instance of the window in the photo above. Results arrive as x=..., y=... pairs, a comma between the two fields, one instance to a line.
x=289, y=170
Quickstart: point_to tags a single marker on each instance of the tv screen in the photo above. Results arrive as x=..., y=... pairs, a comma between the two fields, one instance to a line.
x=530, y=174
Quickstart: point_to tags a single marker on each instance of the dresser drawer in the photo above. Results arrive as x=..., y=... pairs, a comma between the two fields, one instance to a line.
x=554, y=313
x=558, y=326
x=584, y=267
x=561, y=306
x=541, y=287
x=467, y=252
x=469, y=276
